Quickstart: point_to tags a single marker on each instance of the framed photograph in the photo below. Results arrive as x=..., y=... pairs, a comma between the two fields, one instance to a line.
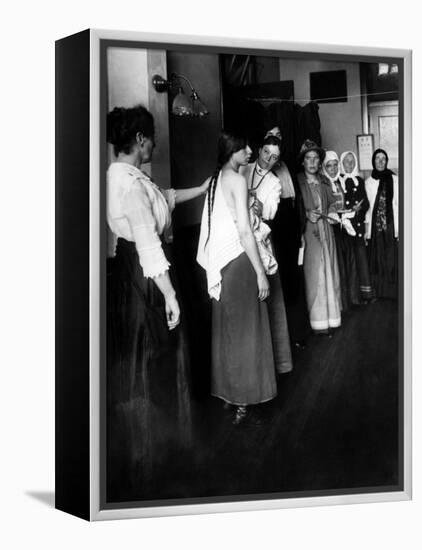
x=233, y=276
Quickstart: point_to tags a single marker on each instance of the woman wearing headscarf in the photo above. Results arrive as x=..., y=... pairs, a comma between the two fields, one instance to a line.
x=382, y=229
x=343, y=233
x=243, y=368
x=356, y=199
x=322, y=279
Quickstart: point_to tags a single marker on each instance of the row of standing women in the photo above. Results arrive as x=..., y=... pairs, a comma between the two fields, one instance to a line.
x=350, y=232
x=337, y=216
x=368, y=216
x=148, y=389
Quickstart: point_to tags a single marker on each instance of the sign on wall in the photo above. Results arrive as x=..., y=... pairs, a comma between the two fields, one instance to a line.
x=365, y=151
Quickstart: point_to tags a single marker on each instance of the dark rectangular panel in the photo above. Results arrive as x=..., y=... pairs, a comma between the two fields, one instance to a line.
x=72, y=274
x=329, y=86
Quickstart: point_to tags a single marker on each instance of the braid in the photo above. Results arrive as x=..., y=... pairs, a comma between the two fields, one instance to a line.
x=228, y=143
x=211, y=197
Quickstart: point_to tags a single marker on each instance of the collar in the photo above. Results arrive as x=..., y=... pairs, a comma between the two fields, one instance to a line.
x=260, y=171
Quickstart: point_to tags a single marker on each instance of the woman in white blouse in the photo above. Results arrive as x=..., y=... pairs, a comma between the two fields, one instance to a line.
x=265, y=191
x=146, y=367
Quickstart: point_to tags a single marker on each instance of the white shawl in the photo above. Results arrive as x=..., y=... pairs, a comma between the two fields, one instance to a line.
x=223, y=244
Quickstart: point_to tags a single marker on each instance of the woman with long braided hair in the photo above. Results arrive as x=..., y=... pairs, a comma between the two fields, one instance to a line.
x=243, y=370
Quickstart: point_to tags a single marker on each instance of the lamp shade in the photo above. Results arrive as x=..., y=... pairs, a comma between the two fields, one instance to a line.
x=181, y=104
x=198, y=108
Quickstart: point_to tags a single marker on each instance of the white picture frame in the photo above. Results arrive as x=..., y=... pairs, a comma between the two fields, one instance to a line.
x=88, y=503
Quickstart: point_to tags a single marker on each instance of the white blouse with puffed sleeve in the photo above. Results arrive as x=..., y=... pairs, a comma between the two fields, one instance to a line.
x=139, y=211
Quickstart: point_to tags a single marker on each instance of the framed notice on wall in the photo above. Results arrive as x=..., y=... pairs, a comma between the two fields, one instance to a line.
x=365, y=151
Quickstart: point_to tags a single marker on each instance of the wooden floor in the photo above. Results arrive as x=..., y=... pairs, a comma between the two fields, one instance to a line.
x=333, y=425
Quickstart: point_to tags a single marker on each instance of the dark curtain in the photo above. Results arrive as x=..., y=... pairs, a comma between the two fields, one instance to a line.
x=252, y=119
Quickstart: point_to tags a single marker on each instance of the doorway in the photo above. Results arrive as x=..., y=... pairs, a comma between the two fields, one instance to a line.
x=384, y=125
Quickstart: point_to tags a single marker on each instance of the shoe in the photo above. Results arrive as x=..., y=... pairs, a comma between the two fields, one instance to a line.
x=239, y=415
x=324, y=332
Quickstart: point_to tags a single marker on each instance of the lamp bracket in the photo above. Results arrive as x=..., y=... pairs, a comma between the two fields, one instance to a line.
x=160, y=84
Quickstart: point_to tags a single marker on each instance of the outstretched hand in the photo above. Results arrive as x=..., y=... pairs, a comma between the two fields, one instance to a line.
x=205, y=185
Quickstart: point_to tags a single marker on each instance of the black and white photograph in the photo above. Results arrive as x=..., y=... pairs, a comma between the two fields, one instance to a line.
x=210, y=288
x=252, y=274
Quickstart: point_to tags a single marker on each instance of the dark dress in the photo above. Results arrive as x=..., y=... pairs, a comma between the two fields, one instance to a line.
x=286, y=230
x=148, y=401
x=346, y=256
x=383, y=249
x=354, y=195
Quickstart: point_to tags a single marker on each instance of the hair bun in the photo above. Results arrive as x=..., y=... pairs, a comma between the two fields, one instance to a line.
x=116, y=124
x=123, y=124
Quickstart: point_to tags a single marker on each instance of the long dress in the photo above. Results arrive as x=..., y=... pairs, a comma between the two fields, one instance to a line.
x=148, y=393
x=346, y=256
x=243, y=367
x=266, y=187
x=286, y=233
x=322, y=281
x=355, y=194
x=382, y=230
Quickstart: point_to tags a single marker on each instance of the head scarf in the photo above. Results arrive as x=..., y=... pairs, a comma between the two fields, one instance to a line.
x=385, y=178
x=386, y=172
x=352, y=175
x=329, y=156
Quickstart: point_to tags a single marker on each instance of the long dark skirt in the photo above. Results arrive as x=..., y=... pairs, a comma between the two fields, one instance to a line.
x=243, y=369
x=286, y=237
x=383, y=263
x=365, y=285
x=296, y=309
x=278, y=325
x=148, y=406
x=346, y=257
